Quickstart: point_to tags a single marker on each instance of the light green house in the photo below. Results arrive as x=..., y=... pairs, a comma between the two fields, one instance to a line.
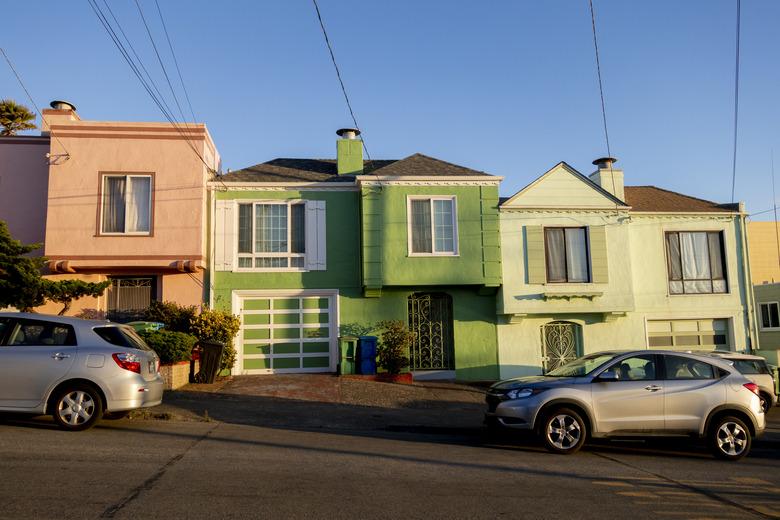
x=590, y=265
x=307, y=250
x=768, y=316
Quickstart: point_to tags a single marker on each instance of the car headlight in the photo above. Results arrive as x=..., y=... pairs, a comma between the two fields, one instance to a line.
x=521, y=393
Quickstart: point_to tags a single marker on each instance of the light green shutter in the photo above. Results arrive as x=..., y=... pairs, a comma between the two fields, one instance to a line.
x=598, y=253
x=534, y=238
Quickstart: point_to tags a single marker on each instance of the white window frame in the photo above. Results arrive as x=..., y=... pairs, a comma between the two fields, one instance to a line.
x=456, y=245
x=761, y=316
x=126, y=176
x=253, y=255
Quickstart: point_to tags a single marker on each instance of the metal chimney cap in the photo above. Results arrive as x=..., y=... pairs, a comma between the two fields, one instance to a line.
x=342, y=132
x=606, y=161
x=62, y=105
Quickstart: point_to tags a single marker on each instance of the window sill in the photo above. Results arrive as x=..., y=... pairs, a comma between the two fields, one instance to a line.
x=700, y=294
x=429, y=255
x=569, y=295
x=144, y=234
x=769, y=329
x=271, y=270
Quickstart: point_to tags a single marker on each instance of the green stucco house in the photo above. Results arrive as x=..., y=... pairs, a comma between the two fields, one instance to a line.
x=307, y=250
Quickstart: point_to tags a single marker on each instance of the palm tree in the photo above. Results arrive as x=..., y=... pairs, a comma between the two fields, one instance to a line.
x=15, y=117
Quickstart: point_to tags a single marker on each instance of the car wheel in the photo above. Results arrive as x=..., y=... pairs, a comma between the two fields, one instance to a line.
x=115, y=416
x=77, y=407
x=730, y=438
x=563, y=431
x=766, y=402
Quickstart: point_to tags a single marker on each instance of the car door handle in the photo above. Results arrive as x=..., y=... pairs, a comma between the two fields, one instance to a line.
x=653, y=388
x=60, y=356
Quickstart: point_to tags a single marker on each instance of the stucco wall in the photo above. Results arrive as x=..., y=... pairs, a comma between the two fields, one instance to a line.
x=764, y=255
x=24, y=178
x=768, y=340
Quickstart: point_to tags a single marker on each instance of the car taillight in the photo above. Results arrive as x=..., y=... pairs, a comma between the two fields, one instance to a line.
x=128, y=361
x=752, y=387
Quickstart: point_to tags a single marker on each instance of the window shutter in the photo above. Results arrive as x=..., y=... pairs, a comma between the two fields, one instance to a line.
x=315, y=235
x=224, y=239
x=598, y=254
x=534, y=237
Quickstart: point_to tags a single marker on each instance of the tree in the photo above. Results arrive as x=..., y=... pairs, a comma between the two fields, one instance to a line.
x=15, y=117
x=65, y=291
x=20, y=274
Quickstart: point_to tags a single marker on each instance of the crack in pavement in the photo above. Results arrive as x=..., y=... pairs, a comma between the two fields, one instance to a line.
x=149, y=483
x=709, y=494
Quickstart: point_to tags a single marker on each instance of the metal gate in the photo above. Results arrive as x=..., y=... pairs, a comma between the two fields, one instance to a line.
x=128, y=298
x=560, y=344
x=430, y=318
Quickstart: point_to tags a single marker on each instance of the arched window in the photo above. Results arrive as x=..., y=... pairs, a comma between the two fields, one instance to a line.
x=560, y=344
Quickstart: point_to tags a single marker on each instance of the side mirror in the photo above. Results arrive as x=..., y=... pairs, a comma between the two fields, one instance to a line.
x=608, y=376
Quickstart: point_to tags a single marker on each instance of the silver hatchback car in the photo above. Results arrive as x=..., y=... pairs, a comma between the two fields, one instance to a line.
x=637, y=393
x=76, y=370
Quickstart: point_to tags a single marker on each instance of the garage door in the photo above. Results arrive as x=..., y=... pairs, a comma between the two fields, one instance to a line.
x=287, y=333
x=705, y=334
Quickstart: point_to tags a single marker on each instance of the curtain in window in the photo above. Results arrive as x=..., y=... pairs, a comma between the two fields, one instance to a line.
x=114, y=205
x=695, y=262
x=138, y=204
x=271, y=228
x=245, y=228
x=421, y=226
x=298, y=228
x=556, y=255
x=576, y=255
x=444, y=231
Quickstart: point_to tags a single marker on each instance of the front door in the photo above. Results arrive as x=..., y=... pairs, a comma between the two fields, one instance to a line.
x=430, y=318
x=36, y=355
x=635, y=402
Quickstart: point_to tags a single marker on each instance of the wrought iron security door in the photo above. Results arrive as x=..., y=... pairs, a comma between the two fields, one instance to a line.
x=430, y=317
x=559, y=344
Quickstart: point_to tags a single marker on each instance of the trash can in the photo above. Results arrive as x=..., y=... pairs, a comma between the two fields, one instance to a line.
x=210, y=357
x=367, y=355
x=140, y=326
x=347, y=352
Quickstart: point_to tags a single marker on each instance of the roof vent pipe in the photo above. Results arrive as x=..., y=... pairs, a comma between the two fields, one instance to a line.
x=605, y=162
x=348, y=133
x=62, y=105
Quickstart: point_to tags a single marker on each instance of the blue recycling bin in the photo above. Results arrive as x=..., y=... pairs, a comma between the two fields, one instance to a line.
x=367, y=355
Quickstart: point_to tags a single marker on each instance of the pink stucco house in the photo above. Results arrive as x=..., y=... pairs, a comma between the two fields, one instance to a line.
x=116, y=200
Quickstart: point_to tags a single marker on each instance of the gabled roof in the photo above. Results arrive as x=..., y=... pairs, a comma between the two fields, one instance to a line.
x=653, y=199
x=609, y=200
x=324, y=170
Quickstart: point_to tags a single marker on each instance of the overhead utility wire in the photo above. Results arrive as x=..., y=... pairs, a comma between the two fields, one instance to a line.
x=160, y=104
x=736, y=107
x=175, y=61
x=774, y=204
x=21, y=83
x=338, y=75
x=159, y=59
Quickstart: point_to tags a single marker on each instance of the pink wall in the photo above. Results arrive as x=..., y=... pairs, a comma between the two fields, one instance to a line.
x=24, y=174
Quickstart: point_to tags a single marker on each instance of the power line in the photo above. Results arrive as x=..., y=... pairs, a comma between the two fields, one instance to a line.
x=774, y=204
x=338, y=75
x=598, y=71
x=736, y=107
x=43, y=120
x=176, y=62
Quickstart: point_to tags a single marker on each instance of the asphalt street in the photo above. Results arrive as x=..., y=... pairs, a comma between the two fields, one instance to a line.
x=201, y=469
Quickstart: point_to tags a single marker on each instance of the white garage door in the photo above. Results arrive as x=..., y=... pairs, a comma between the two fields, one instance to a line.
x=293, y=332
x=704, y=334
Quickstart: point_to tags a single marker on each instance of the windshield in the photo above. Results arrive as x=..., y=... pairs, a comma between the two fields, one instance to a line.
x=582, y=366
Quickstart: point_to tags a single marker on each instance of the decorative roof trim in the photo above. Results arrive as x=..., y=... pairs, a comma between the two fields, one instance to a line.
x=282, y=186
x=600, y=209
x=490, y=179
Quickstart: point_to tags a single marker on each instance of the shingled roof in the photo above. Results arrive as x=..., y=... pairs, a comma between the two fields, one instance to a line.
x=653, y=199
x=324, y=170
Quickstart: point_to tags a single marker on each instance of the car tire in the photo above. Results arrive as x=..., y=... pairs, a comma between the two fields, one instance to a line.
x=77, y=407
x=563, y=431
x=115, y=416
x=766, y=402
x=729, y=438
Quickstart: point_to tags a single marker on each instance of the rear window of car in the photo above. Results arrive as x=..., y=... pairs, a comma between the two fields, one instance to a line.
x=122, y=337
x=750, y=366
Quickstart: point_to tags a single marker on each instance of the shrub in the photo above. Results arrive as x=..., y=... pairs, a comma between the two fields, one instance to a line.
x=394, y=347
x=221, y=326
x=176, y=317
x=171, y=346
x=91, y=314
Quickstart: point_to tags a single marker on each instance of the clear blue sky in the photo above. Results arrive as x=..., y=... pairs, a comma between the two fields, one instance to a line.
x=505, y=87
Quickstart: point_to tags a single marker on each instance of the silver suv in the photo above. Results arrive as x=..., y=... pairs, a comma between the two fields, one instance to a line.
x=636, y=393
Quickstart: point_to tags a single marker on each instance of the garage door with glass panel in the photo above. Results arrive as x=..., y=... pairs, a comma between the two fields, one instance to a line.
x=703, y=334
x=293, y=333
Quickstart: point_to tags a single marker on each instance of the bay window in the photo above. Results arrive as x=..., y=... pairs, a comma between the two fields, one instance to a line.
x=696, y=262
x=272, y=235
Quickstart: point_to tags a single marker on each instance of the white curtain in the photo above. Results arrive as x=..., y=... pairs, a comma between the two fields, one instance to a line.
x=556, y=259
x=114, y=205
x=577, y=254
x=138, y=204
x=695, y=262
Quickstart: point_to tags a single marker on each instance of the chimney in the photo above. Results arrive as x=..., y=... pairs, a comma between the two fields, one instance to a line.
x=349, y=152
x=609, y=177
x=60, y=112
